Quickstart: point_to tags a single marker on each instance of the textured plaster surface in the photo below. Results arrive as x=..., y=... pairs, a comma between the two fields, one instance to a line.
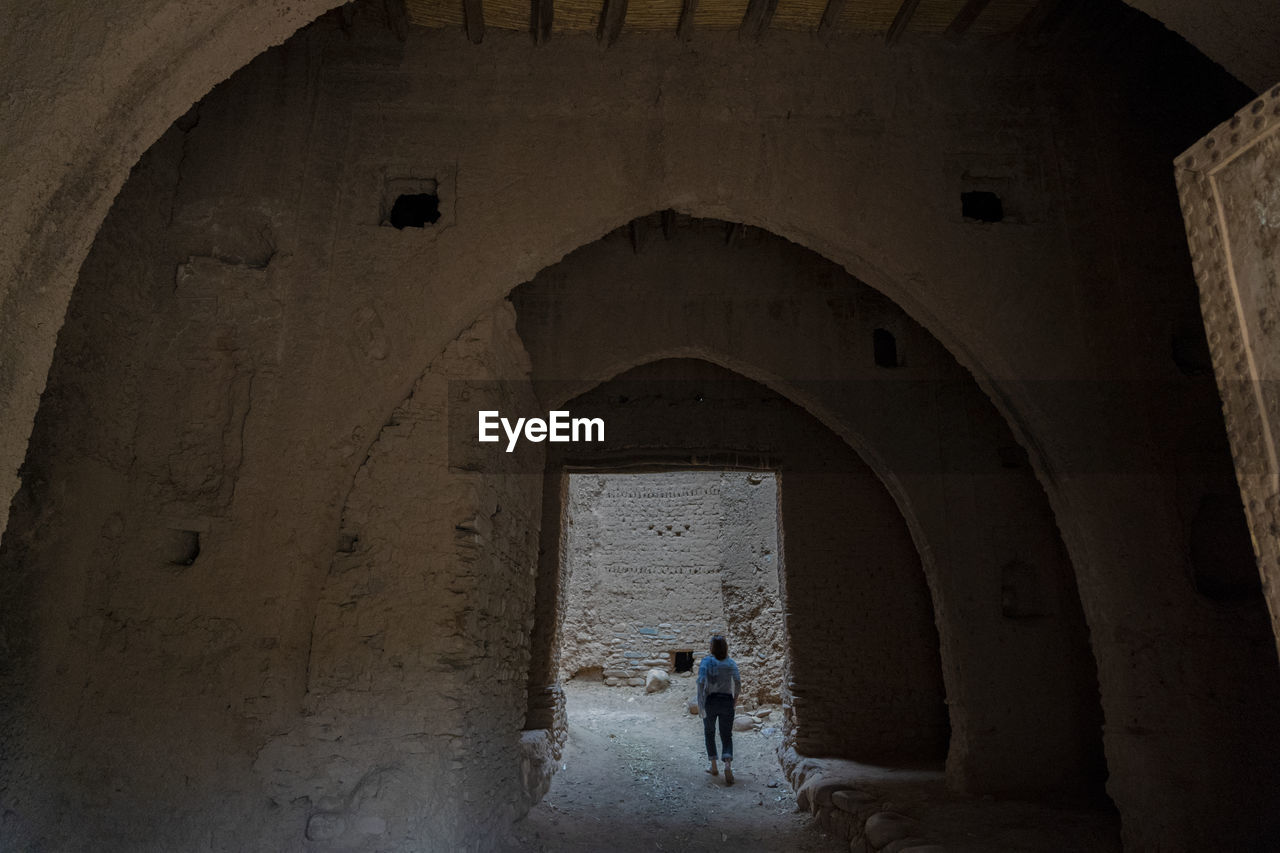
x=850, y=578
x=774, y=312
x=1240, y=36
x=87, y=90
x=245, y=329
x=658, y=563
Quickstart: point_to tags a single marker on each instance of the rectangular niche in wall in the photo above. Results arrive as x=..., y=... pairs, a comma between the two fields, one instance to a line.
x=411, y=203
x=655, y=564
x=414, y=204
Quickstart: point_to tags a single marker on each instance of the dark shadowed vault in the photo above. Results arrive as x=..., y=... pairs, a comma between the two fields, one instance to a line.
x=261, y=589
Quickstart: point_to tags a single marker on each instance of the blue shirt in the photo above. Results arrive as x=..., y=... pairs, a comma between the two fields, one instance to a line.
x=717, y=676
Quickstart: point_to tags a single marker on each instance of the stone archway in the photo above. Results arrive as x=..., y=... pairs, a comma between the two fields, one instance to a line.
x=711, y=444
x=909, y=428
x=845, y=545
x=353, y=327
x=91, y=92
x=411, y=729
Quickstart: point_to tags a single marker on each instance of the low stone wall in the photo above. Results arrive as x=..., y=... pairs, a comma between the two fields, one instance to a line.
x=638, y=650
x=910, y=810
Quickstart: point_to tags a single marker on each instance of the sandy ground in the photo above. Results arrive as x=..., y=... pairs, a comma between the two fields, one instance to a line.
x=633, y=777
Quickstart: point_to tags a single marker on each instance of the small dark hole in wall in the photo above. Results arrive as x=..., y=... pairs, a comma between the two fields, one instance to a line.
x=415, y=210
x=885, y=348
x=982, y=205
x=684, y=661
x=183, y=547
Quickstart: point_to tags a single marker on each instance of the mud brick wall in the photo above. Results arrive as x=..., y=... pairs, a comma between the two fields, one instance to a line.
x=658, y=563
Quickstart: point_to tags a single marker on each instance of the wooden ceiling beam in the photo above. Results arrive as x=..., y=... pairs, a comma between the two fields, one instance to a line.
x=757, y=18
x=541, y=14
x=901, y=20
x=397, y=18
x=966, y=16
x=685, y=29
x=473, y=16
x=830, y=17
x=612, y=17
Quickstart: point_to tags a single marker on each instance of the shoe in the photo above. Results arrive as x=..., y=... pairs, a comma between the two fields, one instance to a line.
x=728, y=774
x=714, y=771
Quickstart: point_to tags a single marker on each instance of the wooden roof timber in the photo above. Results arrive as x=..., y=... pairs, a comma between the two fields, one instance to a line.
x=609, y=19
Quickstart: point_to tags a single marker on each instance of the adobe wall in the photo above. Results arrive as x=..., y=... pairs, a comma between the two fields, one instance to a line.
x=236, y=402
x=851, y=581
x=850, y=692
x=1020, y=679
x=86, y=94
x=411, y=724
x=657, y=563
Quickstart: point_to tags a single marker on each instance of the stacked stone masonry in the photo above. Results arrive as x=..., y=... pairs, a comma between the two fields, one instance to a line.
x=658, y=563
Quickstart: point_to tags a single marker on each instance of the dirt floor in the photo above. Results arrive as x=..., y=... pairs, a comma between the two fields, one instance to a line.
x=633, y=777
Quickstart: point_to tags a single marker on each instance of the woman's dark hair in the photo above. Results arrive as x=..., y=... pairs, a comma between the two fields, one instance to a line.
x=719, y=647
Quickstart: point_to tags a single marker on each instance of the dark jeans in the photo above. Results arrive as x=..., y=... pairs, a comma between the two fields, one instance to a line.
x=719, y=707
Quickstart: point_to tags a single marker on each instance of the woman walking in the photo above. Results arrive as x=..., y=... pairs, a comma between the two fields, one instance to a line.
x=718, y=687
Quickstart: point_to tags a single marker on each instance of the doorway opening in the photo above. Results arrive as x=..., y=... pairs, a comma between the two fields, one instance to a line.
x=652, y=561
x=654, y=564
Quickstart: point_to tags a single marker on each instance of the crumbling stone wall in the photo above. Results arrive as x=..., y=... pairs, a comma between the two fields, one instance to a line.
x=657, y=563
x=148, y=684
x=1020, y=691
x=872, y=686
x=89, y=94
x=425, y=614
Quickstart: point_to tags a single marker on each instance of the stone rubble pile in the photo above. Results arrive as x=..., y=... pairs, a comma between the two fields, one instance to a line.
x=656, y=680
